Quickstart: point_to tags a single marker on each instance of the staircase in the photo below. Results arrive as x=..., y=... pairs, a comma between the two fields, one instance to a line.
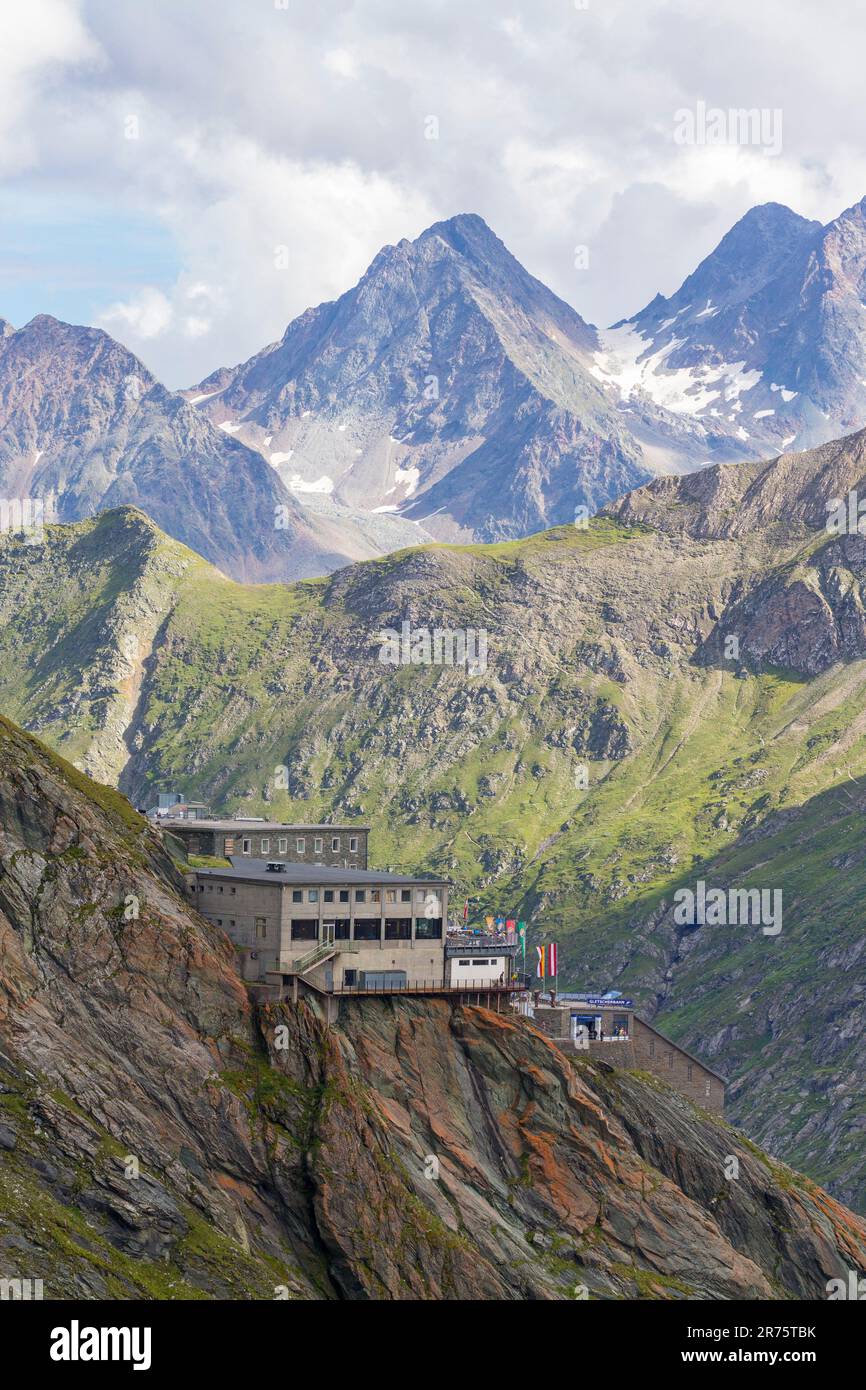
x=322, y=951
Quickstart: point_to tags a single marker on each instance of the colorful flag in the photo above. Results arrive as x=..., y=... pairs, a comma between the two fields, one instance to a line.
x=552, y=964
x=500, y=921
x=466, y=911
x=521, y=932
x=510, y=924
x=488, y=921
x=540, y=972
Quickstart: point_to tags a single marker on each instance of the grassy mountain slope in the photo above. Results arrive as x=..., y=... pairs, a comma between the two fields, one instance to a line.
x=610, y=753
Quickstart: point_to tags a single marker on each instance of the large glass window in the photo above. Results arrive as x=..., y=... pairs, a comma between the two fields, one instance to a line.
x=367, y=931
x=313, y=895
x=342, y=929
x=398, y=928
x=428, y=928
x=304, y=931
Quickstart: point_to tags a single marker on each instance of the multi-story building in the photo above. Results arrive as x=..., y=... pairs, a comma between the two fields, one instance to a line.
x=332, y=846
x=349, y=931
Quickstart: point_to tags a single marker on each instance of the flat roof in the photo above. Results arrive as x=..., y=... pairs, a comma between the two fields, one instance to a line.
x=241, y=825
x=311, y=874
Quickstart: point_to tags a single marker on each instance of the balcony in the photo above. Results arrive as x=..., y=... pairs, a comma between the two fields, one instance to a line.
x=475, y=943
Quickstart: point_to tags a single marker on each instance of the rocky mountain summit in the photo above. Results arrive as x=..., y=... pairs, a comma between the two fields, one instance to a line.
x=766, y=340
x=161, y=1137
x=453, y=387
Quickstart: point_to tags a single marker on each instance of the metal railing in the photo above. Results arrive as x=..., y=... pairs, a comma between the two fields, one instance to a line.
x=431, y=987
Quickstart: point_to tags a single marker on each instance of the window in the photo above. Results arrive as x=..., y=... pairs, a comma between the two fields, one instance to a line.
x=690, y=1071
x=266, y=845
x=282, y=845
x=353, y=844
x=303, y=930
x=220, y=889
x=342, y=929
x=219, y=921
x=481, y=962
x=335, y=844
x=707, y=1089
x=360, y=895
x=349, y=977
x=328, y=895
x=232, y=922
x=428, y=928
x=464, y=962
x=652, y=1047
x=375, y=895
x=398, y=928
x=245, y=846
x=229, y=845
x=344, y=895
x=233, y=890
x=670, y=1059
x=317, y=845
x=299, y=846
x=367, y=931
x=261, y=928
x=313, y=895
x=420, y=894
x=390, y=895
x=405, y=895
x=297, y=895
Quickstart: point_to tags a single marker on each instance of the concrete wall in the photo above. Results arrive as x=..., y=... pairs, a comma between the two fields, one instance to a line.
x=657, y=1054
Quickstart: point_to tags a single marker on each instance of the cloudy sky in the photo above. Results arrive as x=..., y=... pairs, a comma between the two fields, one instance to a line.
x=190, y=174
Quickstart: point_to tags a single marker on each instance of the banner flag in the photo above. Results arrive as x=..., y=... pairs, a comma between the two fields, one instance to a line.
x=488, y=921
x=521, y=932
x=552, y=963
x=466, y=911
x=540, y=972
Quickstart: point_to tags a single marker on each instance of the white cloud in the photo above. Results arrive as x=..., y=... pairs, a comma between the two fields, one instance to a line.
x=304, y=128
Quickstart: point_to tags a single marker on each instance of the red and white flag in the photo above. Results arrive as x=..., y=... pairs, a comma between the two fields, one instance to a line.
x=466, y=911
x=551, y=960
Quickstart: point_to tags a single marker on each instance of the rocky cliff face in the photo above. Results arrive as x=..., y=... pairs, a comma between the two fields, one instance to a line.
x=159, y=1139
x=83, y=420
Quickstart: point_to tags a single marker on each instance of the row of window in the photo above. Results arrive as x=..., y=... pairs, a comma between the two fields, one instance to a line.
x=421, y=894
x=370, y=929
x=283, y=844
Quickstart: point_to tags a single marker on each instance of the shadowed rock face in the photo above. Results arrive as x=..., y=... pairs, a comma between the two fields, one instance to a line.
x=83, y=419
x=275, y=1154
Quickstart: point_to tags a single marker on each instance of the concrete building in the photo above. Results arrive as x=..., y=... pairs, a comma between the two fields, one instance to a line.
x=333, y=846
x=339, y=929
x=610, y=1028
x=345, y=931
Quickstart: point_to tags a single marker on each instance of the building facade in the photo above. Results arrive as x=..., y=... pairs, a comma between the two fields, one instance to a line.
x=340, y=929
x=611, y=1029
x=331, y=846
